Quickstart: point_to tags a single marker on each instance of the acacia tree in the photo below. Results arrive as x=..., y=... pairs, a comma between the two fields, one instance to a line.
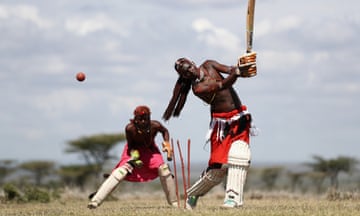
x=317, y=178
x=6, y=168
x=95, y=149
x=39, y=168
x=295, y=179
x=270, y=175
x=75, y=175
x=333, y=167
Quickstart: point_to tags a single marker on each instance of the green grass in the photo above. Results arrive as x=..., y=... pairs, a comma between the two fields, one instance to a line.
x=155, y=204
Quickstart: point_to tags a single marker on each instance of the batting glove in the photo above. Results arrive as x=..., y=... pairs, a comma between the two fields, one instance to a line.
x=247, y=65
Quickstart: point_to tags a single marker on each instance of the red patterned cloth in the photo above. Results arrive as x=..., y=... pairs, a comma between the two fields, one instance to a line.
x=220, y=142
x=151, y=158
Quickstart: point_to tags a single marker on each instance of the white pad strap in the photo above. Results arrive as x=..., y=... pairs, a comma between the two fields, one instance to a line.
x=110, y=183
x=238, y=163
x=168, y=184
x=207, y=180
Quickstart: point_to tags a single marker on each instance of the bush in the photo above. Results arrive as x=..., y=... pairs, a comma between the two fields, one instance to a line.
x=36, y=194
x=12, y=193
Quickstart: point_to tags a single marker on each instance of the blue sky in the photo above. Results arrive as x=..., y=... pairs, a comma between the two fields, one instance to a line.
x=304, y=98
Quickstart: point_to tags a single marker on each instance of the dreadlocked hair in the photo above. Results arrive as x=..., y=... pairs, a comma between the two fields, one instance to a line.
x=178, y=99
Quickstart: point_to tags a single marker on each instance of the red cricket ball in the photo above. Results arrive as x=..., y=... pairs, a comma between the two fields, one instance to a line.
x=80, y=76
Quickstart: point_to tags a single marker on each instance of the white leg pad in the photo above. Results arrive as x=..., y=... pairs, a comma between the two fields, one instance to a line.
x=168, y=184
x=238, y=165
x=109, y=185
x=239, y=153
x=207, y=181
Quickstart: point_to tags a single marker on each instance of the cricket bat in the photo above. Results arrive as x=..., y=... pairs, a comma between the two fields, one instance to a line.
x=250, y=25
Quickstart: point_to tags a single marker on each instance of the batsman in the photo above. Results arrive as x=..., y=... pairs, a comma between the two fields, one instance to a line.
x=230, y=124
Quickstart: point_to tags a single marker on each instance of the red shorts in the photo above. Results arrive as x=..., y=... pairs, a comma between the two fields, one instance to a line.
x=151, y=158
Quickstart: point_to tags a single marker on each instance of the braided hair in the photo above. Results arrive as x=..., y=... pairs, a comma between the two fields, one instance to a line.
x=180, y=92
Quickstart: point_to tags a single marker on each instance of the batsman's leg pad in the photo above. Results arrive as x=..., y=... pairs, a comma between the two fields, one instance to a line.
x=208, y=180
x=109, y=185
x=238, y=163
x=168, y=184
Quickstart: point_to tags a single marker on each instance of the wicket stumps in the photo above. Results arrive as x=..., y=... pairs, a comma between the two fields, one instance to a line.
x=185, y=176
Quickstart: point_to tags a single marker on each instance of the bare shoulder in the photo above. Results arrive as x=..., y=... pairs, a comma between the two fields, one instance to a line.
x=209, y=62
x=158, y=126
x=130, y=127
x=155, y=123
x=211, y=65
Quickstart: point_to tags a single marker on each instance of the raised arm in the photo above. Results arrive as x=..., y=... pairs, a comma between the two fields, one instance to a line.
x=213, y=81
x=246, y=66
x=232, y=71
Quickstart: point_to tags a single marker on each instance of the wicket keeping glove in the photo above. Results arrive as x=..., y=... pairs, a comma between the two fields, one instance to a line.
x=167, y=148
x=135, y=159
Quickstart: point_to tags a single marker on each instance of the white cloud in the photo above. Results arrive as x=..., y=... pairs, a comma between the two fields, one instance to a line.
x=36, y=65
x=56, y=64
x=55, y=103
x=99, y=22
x=288, y=23
x=4, y=14
x=147, y=86
x=120, y=103
x=58, y=103
x=267, y=26
x=215, y=36
x=320, y=56
x=25, y=12
x=34, y=133
x=336, y=88
x=331, y=31
x=281, y=60
x=352, y=87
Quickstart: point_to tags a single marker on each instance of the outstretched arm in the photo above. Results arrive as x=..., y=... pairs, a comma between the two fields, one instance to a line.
x=213, y=81
x=165, y=134
x=163, y=130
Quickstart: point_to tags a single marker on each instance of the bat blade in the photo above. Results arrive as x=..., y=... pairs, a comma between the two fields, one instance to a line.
x=250, y=25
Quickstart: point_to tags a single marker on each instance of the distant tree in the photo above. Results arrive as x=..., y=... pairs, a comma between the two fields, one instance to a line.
x=40, y=169
x=75, y=175
x=270, y=175
x=317, y=178
x=95, y=149
x=6, y=168
x=295, y=179
x=333, y=167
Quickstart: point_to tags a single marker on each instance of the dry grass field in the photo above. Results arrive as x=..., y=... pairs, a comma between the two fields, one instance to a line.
x=275, y=204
